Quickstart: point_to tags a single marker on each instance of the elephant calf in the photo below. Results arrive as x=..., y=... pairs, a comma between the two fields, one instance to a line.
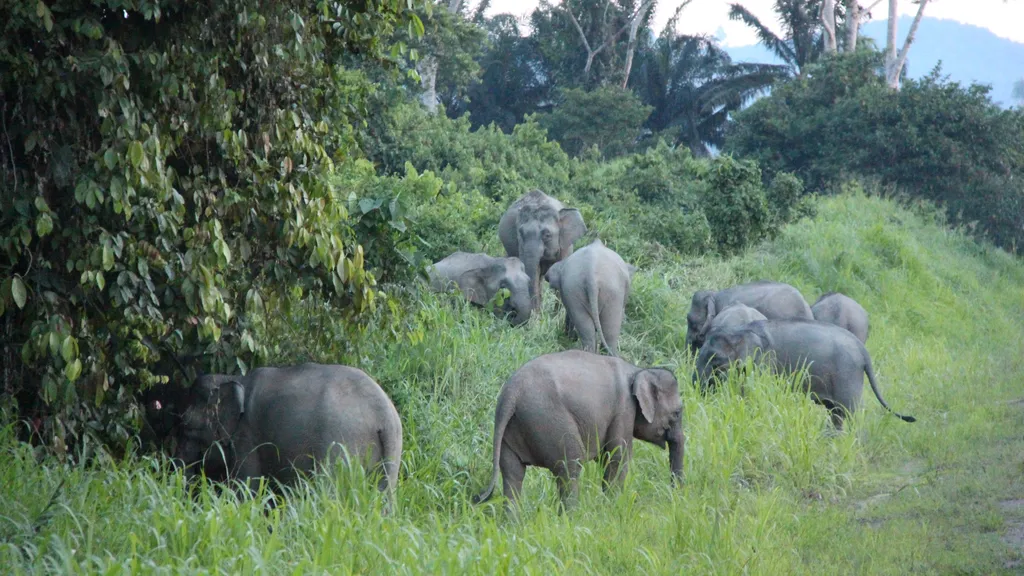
x=836, y=360
x=593, y=284
x=843, y=311
x=775, y=300
x=274, y=422
x=563, y=409
x=480, y=276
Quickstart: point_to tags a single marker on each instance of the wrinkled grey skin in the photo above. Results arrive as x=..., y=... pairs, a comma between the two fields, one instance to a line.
x=274, y=422
x=593, y=284
x=479, y=277
x=773, y=299
x=563, y=409
x=540, y=231
x=843, y=311
x=837, y=360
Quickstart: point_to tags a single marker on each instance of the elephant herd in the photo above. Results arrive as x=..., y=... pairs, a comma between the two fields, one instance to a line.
x=558, y=410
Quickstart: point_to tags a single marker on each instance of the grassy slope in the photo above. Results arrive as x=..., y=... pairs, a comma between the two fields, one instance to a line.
x=768, y=490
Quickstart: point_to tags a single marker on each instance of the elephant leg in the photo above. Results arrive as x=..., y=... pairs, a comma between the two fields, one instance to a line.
x=611, y=325
x=577, y=310
x=618, y=466
x=567, y=474
x=512, y=473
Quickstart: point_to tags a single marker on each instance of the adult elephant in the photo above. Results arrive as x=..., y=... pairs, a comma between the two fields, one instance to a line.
x=593, y=284
x=480, y=276
x=276, y=422
x=843, y=311
x=562, y=409
x=775, y=300
x=835, y=359
x=540, y=231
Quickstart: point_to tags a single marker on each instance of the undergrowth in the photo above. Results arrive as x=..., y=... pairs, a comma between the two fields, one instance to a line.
x=769, y=488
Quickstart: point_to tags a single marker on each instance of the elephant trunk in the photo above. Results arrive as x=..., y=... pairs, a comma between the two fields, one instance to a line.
x=521, y=303
x=530, y=253
x=676, y=441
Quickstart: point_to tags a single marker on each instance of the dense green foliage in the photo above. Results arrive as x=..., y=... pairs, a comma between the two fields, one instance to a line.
x=768, y=489
x=161, y=165
x=608, y=119
x=932, y=139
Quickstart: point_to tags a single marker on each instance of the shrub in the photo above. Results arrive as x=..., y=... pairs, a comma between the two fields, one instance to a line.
x=607, y=117
x=783, y=194
x=169, y=162
x=735, y=204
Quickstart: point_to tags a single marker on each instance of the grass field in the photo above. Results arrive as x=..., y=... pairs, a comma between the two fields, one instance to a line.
x=768, y=489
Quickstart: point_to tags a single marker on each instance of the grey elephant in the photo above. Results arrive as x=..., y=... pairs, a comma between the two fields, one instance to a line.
x=275, y=422
x=736, y=314
x=540, y=231
x=773, y=299
x=843, y=311
x=593, y=284
x=563, y=409
x=479, y=277
x=836, y=360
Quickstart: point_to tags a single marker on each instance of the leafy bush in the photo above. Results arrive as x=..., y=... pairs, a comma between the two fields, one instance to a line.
x=663, y=175
x=167, y=162
x=783, y=195
x=608, y=117
x=932, y=139
x=735, y=204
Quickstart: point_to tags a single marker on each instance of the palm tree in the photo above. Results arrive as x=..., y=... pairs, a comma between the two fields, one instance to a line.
x=693, y=86
x=802, y=41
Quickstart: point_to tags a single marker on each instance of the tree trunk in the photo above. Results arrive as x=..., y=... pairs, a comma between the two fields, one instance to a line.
x=634, y=25
x=828, y=23
x=852, y=24
x=427, y=69
x=894, y=61
x=592, y=52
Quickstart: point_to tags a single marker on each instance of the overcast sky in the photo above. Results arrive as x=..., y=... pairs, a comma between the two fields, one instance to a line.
x=1003, y=17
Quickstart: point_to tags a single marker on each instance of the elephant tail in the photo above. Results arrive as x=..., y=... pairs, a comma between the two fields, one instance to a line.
x=870, y=371
x=595, y=313
x=502, y=414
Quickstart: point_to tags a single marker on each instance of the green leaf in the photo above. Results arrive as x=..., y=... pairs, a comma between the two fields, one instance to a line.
x=135, y=153
x=73, y=370
x=108, y=258
x=110, y=158
x=44, y=225
x=69, y=348
x=54, y=340
x=18, y=292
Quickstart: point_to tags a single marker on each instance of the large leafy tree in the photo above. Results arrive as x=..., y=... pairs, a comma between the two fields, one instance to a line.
x=693, y=86
x=802, y=40
x=161, y=163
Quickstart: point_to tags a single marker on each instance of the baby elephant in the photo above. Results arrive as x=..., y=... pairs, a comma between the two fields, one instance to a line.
x=274, y=422
x=563, y=409
x=593, y=284
x=843, y=311
x=837, y=361
x=480, y=276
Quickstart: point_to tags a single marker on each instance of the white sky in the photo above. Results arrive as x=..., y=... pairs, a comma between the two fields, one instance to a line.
x=1004, y=18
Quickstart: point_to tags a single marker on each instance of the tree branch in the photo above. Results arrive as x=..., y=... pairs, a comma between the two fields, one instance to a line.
x=828, y=22
x=894, y=62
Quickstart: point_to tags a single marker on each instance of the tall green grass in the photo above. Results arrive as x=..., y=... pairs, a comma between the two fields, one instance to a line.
x=769, y=488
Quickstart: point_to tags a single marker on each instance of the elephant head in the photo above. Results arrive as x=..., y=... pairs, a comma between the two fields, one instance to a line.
x=698, y=320
x=480, y=284
x=208, y=424
x=723, y=347
x=544, y=235
x=659, y=413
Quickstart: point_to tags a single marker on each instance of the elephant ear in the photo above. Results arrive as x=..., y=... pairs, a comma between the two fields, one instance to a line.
x=230, y=403
x=570, y=228
x=711, y=311
x=473, y=284
x=644, y=389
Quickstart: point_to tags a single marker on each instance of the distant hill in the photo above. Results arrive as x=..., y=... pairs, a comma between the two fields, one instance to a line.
x=968, y=53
